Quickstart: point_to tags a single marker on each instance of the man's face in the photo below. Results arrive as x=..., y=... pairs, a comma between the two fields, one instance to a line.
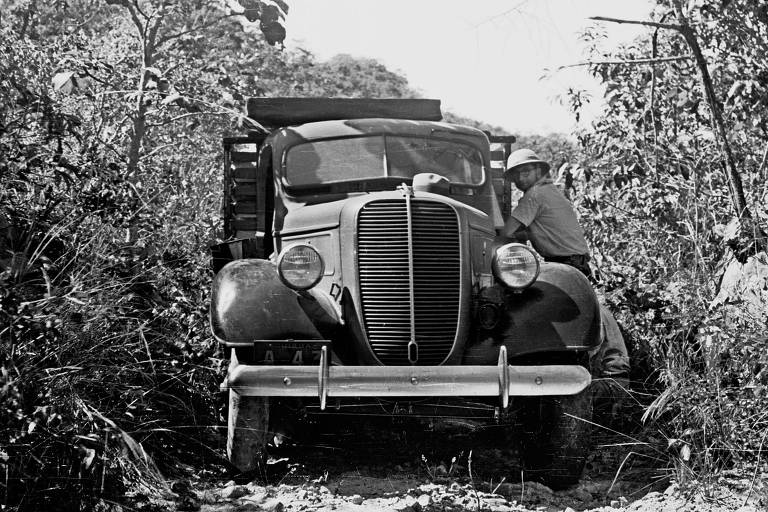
x=526, y=175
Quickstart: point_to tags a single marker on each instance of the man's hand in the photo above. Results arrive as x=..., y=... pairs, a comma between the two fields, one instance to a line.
x=515, y=230
x=520, y=236
x=511, y=227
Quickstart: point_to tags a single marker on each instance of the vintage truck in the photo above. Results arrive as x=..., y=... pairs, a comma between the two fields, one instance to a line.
x=363, y=269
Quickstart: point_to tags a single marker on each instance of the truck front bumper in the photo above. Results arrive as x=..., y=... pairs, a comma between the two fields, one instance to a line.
x=324, y=381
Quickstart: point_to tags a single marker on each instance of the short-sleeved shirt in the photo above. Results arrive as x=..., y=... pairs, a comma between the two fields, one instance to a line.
x=551, y=222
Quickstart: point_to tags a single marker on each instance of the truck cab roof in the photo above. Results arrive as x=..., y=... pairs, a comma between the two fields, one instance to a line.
x=285, y=137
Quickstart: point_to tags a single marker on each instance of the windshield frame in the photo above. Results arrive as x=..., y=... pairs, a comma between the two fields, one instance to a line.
x=372, y=184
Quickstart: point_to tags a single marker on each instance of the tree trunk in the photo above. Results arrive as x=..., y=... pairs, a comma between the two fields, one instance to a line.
x=138, y=132
x=752, y=239
x=148, y=38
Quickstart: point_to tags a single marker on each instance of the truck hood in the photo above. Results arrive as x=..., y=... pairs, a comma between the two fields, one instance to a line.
x=324, y=216
x=313, y=217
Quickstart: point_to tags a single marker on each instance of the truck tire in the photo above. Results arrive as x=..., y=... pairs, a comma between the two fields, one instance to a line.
x=554, y=438
x=247, y=432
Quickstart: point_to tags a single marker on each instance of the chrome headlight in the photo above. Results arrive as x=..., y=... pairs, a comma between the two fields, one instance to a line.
x=300, y=266
x=515, y=265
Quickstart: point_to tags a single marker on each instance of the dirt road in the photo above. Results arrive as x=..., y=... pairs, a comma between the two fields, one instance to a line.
x=359, y=493
x=397, y=467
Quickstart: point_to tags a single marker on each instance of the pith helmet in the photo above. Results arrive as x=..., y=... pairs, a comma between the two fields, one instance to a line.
x=525, y=156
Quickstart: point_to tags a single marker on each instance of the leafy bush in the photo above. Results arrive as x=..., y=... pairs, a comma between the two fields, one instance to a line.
x=652, y=193
x=104, y=274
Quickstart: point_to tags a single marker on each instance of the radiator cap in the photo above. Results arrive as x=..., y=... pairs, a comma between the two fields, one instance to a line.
x=431, y=182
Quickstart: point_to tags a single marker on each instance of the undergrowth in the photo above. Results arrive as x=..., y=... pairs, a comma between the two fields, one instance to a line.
x=107, y=371
x=699, y=364
x=100, y=363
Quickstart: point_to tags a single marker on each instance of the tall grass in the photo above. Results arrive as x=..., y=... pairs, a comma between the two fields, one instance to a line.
x=105, y=358
x=703, y=361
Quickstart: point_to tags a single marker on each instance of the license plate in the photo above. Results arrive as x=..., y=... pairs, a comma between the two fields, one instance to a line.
x=300, y=354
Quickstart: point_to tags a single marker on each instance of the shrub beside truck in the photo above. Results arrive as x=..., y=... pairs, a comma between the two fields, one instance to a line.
x=363, y=269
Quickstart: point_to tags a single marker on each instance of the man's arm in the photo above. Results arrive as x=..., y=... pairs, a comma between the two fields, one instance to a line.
x=525, y=212
x=514, y=229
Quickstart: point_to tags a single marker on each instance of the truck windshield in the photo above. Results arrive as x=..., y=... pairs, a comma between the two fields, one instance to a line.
x=381, y=156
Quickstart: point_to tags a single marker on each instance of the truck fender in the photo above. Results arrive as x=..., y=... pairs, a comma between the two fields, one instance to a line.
x=250, y=302
x=558, y=313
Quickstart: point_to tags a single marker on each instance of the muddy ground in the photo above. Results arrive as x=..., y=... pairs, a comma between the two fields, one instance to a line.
x=420, y=466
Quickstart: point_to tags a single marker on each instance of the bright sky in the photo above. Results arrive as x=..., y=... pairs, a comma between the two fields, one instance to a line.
x=484, y=59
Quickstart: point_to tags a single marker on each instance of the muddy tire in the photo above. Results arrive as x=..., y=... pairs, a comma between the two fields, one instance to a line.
x=247, y=432
x=554, y=441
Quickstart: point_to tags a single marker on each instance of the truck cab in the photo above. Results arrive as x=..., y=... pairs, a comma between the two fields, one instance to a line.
x=363, y=263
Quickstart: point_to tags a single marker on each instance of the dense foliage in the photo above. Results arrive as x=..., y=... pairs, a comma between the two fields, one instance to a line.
x=654, y=195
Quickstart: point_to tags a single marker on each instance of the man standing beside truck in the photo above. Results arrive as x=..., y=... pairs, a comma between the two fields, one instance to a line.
x=545, y=214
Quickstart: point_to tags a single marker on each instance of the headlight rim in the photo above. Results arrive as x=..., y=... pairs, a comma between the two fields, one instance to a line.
x=282, y=256
x=497, y=272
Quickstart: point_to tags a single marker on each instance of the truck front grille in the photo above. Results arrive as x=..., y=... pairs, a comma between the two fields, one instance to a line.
x=383, y=265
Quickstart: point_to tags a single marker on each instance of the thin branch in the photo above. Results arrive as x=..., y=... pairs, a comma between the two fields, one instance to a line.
x=158, y=149
x=165, y=39
x=132, y=10
x=146, y=346
x=86, y=21
x=225, y=111
x=87, y=72
x=655, y=54
x=188, y=114
x=151, y=41
x=635, y=22
x=757, y=466
x=138, y=8
x=120, y=91
x=504, y=13
x=628, y=62
x=136, y=191
x=762, y=164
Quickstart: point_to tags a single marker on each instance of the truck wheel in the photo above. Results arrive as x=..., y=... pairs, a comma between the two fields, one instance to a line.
x=247, y=431
x=554, y=439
